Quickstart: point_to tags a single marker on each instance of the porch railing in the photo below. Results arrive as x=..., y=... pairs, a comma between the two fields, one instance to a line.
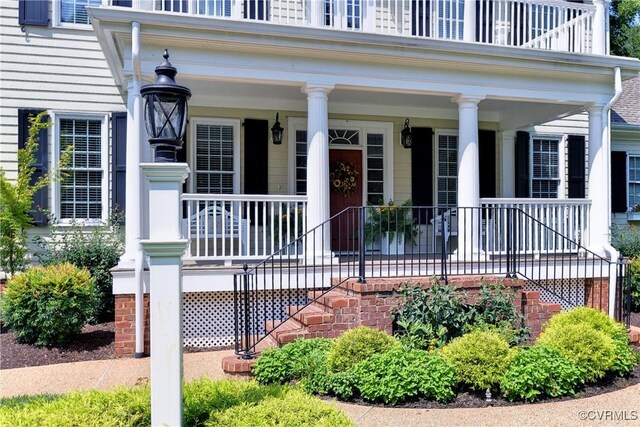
x=541, y=24
x=239, y=226
x=414, y=241
x=568, y=217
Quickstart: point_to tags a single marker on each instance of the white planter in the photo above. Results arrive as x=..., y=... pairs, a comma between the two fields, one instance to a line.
x=394, y=246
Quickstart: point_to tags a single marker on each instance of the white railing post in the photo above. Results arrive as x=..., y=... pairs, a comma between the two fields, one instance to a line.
x=165, y=248
x=469, y=25
x=600, y=24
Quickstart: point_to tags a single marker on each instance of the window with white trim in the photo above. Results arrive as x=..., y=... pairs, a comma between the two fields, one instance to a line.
x=447, y=180
x=545, y=168
x=82, y=193
x=74, y=12
x=215, y=158
x=634, y=181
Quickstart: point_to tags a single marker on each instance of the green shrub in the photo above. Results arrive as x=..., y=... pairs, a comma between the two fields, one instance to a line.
x=48, y=306
x=624, y=361
x=634, y=283
x=480, y=359
x=356, y=345
x=293, y=409
x=398, y=375
x=98, y=251
x=626, y=239
x=592, y=351
x=539, y=371
x=291, y=362
x=496, y=307
x=431, y=317
x=222, y=400
x=342, y=385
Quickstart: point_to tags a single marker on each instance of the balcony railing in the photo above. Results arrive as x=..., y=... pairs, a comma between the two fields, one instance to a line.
x=541, y=24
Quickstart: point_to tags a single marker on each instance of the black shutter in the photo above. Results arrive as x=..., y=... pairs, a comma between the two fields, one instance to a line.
x=420, y=18
x=176, y=5
x=619, y=181
x=484, y=21
x=487, y=158
x=41, y=198
x=256, y=159
x=522, y=164
x=122, y=3
x=32, y=12
x=576, y=167
x=422, y=172
x=256, y=9
x=119, y=160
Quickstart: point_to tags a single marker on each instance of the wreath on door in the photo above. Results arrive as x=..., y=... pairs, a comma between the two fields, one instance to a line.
x=343, y=178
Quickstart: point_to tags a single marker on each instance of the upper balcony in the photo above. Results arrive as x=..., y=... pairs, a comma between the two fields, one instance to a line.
x=558, y=25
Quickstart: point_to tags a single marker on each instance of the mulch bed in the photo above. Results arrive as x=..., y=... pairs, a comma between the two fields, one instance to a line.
x=95, y=343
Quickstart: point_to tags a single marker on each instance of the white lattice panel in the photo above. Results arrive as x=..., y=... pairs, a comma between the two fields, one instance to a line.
x=208, y=316
x=569, y=293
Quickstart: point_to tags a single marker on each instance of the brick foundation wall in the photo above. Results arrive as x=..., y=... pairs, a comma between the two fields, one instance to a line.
x=125, y=326
x=537, y=313
x=597, y=293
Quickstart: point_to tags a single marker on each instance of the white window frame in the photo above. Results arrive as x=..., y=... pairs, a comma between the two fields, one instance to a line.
x=630, y=205
x=55, y=161
x=56, y=12
x=365, y=127
x=235, y=123
x=562, y=166
x=436, y=161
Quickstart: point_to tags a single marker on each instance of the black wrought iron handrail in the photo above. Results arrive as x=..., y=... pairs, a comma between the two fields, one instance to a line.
x=412, y=241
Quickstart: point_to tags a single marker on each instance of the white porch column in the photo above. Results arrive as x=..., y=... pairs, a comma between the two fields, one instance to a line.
x=468, y=177
x=469, y=26
x=165, y=249
x=600, y=24
x=316, y=13
x=598, y=183
x=133, y=223
x=318, y=166
x=508, y=164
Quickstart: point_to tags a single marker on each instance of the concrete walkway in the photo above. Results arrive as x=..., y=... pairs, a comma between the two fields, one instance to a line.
x=611, y=409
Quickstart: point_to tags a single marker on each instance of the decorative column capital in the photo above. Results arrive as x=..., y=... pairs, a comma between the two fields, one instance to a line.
x=165, y=172
x=594, y=108
x=467, y=101
x=317, y=88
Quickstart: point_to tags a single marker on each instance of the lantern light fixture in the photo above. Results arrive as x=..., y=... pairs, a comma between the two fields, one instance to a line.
x=277, y=131
x=165, y=111
x=406, y=137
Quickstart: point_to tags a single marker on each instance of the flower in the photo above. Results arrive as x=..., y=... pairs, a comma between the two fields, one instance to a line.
x=343, y=178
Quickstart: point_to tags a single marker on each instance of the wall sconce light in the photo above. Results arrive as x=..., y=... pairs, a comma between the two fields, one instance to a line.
x=406, y=138
x=276, y=132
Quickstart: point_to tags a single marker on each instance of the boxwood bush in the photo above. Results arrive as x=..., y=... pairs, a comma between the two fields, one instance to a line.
x=539, y=371
x=48, y=306
x=401, y=374
x=624, y=360
x=480, y=359
x=357, y=345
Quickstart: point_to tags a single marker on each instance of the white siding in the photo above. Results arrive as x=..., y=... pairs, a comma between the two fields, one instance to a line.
x=49, y=68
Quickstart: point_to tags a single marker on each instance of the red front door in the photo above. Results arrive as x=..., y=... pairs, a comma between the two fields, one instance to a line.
x=344, y=230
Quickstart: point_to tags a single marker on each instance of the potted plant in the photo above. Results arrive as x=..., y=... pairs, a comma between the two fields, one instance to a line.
x=391, y=225
x=634, y=213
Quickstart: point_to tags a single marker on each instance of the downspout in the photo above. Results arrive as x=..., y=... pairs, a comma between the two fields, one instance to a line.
x=606, y=123
x=139, y=254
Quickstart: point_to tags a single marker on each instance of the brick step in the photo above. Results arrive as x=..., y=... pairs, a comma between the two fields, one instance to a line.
x=310, y=315
x=236, y=365
x=332, y=299
x=288, y=331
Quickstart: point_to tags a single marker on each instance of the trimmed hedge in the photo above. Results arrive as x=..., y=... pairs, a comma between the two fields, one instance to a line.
x=356, y=345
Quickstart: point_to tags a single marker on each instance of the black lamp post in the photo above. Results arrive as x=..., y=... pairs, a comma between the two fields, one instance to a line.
x=406, y=138
x=276, y=132
x=165, y=111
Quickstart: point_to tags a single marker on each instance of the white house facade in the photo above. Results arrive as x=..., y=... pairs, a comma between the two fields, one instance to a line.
x=508, y=102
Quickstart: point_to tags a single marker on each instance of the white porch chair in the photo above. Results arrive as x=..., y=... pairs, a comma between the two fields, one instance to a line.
x=216, y=222
x=449, y=217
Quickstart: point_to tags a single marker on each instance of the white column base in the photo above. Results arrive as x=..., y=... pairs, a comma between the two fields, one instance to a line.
x=477, y=255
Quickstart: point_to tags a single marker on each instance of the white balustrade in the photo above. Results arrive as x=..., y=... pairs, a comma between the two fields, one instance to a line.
x=242, y=226
x=540, y=24
x=566, y=221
